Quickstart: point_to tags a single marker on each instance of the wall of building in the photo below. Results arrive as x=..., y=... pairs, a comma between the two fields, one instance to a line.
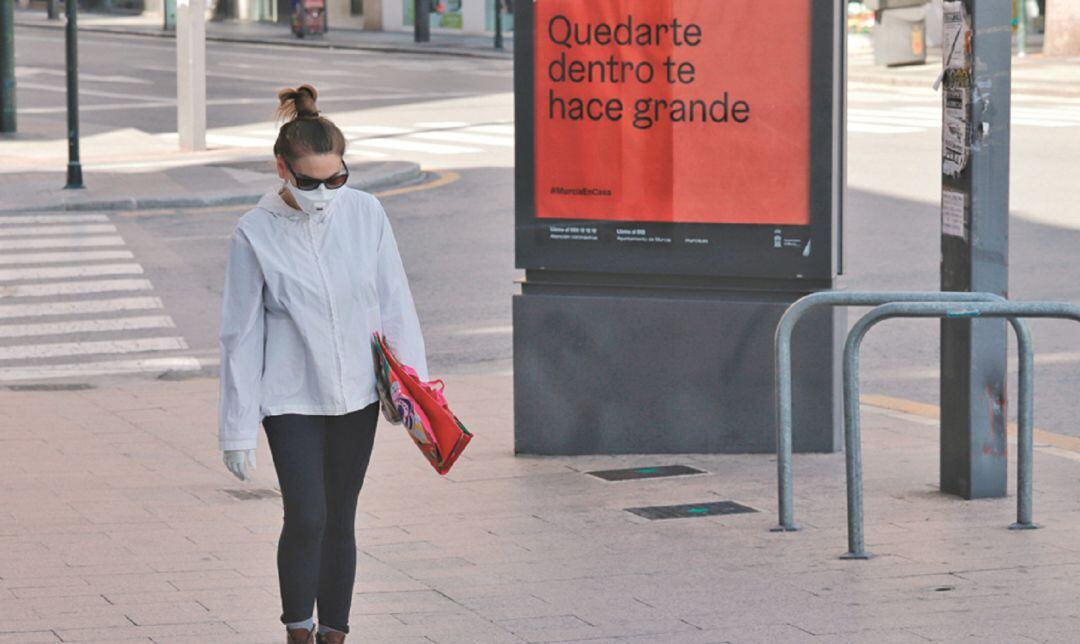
x=1062, y=28
x=459, y=16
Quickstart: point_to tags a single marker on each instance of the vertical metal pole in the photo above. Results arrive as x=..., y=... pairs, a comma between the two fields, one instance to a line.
x=1026, y=429
x=191, y=74
x=853, y=444
x=7, y=65
x=50, y=10
x=498, y=24
x=421, y=20
x=1021, y=28
x=71, y=42
x=975, y=245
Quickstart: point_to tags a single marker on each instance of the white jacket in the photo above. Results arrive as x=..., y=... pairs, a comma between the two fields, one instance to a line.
x=303, y=295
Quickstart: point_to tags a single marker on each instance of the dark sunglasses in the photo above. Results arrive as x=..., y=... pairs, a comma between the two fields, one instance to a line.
x=310, y=183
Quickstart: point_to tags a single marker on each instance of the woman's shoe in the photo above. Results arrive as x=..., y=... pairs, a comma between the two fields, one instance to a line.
x=300, y=635
x=330, y=637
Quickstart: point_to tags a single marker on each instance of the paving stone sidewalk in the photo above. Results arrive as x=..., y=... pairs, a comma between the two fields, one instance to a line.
x=191, y=186
x=1032, y=75
x=119, y=523
x=127, y=169
x=441, y=44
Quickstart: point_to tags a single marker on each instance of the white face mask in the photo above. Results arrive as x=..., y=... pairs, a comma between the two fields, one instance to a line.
x=313, y=201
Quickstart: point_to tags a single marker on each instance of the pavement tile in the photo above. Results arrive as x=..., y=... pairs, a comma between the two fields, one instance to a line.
x=144, y=544
x=155, y=633
x=28, y=637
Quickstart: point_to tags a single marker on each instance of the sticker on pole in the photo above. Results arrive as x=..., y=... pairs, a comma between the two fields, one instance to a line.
x=954, y=214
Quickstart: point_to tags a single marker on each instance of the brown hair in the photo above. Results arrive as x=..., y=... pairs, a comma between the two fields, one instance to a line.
x=305, y=131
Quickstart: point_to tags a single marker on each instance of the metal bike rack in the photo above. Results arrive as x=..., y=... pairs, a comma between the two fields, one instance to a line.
x=1013, y=311
x=791, y=317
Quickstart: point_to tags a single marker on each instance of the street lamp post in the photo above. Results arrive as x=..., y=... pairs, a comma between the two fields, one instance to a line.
x=7, y=65
x=74, y=168
x=498, y=24
x=422, y=20
x=1021, y=28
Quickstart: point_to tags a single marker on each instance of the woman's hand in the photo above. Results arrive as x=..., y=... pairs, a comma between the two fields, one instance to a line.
x=235, y=461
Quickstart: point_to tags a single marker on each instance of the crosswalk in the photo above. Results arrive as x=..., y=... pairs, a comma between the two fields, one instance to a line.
x=905, y=119
x=450, y=139
x=382, y=142
x=74, y=303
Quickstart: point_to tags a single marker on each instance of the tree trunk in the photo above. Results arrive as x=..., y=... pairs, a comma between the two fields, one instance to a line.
x=1062, y=28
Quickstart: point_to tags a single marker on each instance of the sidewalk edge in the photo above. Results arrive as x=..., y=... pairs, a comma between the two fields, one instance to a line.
x=418, y=50
x=392, y=179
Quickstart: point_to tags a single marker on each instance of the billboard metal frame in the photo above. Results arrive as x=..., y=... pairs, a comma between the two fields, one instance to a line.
x=735, y=251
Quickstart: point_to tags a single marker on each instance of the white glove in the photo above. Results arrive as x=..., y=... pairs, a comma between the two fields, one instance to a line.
x=234, y=460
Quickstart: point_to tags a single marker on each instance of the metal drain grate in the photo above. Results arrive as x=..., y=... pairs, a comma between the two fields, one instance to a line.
x=634, y=473
x=691, y=510
x=253, y=495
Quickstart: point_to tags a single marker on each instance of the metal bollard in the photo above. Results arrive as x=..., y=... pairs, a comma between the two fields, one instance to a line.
x=1013, y=311
x=791, y=317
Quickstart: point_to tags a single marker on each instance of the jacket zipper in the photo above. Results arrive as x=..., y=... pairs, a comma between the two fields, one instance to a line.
x=330, y=304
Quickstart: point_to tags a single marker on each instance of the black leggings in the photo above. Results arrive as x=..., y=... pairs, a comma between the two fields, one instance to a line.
x=320, y=463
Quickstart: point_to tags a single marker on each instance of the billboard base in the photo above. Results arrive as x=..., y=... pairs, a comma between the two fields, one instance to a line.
x=603, y=366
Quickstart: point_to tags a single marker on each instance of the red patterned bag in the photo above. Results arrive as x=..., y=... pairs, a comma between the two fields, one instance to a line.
x=420, y=407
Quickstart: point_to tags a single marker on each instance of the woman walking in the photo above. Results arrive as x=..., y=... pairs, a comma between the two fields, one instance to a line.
x=313, y=271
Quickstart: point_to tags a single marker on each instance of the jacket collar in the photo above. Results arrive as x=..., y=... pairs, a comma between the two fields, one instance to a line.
x=272, y=202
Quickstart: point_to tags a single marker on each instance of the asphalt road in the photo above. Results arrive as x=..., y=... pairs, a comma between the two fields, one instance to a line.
x=454, y=115
x=131, y=81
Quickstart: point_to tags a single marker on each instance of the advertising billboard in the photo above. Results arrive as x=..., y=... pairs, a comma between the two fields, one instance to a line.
x=690, y=137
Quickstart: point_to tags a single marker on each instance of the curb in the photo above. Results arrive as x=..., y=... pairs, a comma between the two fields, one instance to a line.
x=387, y=180
x=1018, y=87
x=310, y=44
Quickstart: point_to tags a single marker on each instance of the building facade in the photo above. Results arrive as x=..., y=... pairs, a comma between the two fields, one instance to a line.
x=447, y=16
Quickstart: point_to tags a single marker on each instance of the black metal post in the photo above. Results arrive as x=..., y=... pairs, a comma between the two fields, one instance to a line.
x=7, y=65
x=975, y=247
x=422, y=20
x=74, y=168
x=51, y=9
x=498, y=24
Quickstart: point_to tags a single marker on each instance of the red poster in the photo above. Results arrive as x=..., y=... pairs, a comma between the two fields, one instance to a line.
x=692, y=111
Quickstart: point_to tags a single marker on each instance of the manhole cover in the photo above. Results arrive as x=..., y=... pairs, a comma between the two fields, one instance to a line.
x=76, y=386
x=690, y=510
x=645, y=472
x=253, y=495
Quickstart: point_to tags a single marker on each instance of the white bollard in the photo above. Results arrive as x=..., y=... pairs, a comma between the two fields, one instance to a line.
x=191, y=74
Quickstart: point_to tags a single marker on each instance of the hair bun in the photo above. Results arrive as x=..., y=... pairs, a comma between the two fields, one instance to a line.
x=298, y=103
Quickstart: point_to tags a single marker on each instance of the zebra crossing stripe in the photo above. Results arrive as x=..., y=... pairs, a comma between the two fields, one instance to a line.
x=233, y=141
x=77, y=229
x=89, y=348
x=80, y=307
x=72, y=288
x=416, y=146
x=51, y=219
x=465, y=137
x=871, y=128
x=365, y=154
x=378, y=130
x=81, y=370
x=504, y=130
x=64, y=257
x=892, y=118
x=60, y=242
x=86, y=326
x=91, y=270
x=427, y=125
